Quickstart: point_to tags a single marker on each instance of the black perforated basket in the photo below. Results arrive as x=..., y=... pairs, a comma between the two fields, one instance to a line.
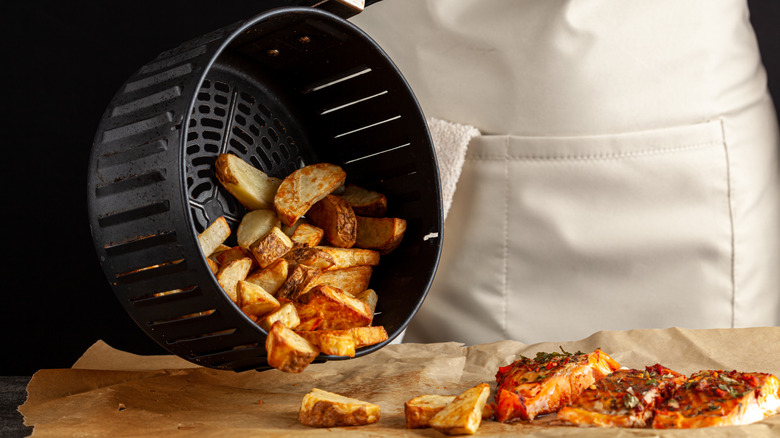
x=289, y=87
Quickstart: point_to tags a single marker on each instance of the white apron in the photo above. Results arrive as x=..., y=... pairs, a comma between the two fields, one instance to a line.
x=627, y=174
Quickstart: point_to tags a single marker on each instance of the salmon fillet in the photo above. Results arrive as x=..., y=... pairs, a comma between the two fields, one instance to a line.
x=625, y=398
x=720, y=398
x=529, y=387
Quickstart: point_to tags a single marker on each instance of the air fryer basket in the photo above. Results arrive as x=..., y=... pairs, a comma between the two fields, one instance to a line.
x=289, y=87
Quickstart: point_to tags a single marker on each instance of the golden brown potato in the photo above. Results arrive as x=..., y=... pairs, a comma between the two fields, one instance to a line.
x=307, y=235
x=304, y=187
x=464, y=415
x=312, y=257
x=254, y=225
x=419, y=410
x=348, y=257
x=365, y=202
x=335, y=342
x=341, y=310
x=326, y=409
x=270, y=247
x=287, y=314
x=370, y=335
x=382, y=234
x=287, y=351
x=214, y=235
x=270, y=278
x=250, y=186
x=297, y=282
x=335, y=216
x=229, y=275
x=370, y=297
x=353, y=280
x=254, y=300
x=230, y=254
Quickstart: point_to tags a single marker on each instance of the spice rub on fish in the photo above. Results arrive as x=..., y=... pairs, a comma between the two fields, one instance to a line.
x=529, y=387
x=720, y=398
x=625, y=398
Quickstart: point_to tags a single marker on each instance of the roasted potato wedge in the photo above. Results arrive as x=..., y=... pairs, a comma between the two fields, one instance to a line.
x=335, y=216
x=335, y=342
x=229, y=275
x=287, y=314
x=305, y=187
x=326, y=409
x=250, y=185
x=270, y=247
x=307, y=235
x=464, y=414
x=365, y=202
x=419, y=410
x=254, y=300
x=370, y=297
x=352, y=280
x=287, y=351
x=349, y=257
x=297, y=282
x=369, y=335
x=341, y=310
x=230, y=254
x=214, y=235
x=383, y=234
x=272, y=277
x=311, y=257
x=254, y=225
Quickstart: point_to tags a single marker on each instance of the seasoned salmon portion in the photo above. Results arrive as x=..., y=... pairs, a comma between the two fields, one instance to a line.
x=530, y=387
x=625, y=398
x=719, y=398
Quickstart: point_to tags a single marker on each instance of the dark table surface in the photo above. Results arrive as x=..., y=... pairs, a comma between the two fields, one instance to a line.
x=13, y=392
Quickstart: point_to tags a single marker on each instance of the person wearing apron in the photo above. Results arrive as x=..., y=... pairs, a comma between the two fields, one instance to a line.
x=621, y=173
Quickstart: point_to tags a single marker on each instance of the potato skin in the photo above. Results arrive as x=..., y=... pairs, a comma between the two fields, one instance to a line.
x=336, y=217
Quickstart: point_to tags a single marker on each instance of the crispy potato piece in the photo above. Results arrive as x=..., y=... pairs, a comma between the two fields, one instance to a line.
x=297, y=282
x=326, y=409
x=250, y=186
x=383, y=234
x=229, y=275
x=335, y=216
x=335, y=342
x=419, y=410
x=370, y=297
x=307, y=235
x=351, y=280
x=270, y=247
x=464, y=415
x=230, y=254
x=254, y=225
x=341, y=310
x=370, y=335
x=213, y=265
x=311, y=319
x=304, y=187
x=365, y=202
x=272, y=277
x=348, y=257
x=287, y=314
x=287, y=351
x=311, y=257
x=214, y=235
x=254, y=300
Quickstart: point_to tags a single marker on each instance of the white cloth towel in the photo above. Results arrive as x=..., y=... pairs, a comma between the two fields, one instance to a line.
x=450, y=141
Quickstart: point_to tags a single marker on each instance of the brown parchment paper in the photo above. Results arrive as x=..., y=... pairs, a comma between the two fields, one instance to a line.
x=117, y=394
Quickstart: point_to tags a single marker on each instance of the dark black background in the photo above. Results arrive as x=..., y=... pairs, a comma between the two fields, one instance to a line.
x=63, y=63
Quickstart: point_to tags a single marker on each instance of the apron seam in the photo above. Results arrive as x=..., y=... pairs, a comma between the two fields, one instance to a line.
x=730, y=203
x=505, y=268
x=594, y=157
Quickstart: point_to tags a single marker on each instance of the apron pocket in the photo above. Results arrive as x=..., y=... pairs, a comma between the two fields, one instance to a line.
x=554, y=238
